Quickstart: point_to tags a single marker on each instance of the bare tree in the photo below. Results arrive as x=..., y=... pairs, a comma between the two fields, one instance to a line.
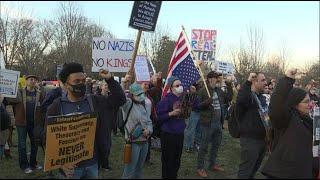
x=74, y=35
x=38, y=36
x=249, y=57
x=152, y=42
x=11, y=35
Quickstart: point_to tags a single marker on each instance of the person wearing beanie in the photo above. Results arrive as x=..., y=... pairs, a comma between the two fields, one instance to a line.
x=138, y=130
x=291, y=155
x=172, y=128
x=75, y=101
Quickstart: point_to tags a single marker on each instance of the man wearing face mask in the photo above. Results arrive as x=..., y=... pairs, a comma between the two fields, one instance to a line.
x=172, y=129
x=75, y=101
x=211, y=119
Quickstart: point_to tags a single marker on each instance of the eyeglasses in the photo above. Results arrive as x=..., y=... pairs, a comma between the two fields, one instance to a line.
x=177, y=85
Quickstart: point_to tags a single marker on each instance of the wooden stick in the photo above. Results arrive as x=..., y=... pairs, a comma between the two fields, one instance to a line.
x=197, y=66
x=134, y=55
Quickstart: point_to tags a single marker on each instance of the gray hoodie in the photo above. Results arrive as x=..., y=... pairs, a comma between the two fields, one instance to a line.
x=137, y=117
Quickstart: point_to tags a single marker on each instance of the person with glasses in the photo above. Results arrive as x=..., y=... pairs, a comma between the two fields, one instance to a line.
x=291, y=155
x=172, y=126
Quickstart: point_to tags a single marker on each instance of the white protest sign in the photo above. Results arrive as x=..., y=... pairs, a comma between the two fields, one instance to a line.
x=2, y=63
x=142, y=69
x=112, y=54
x=203, y=43
x=224, y=67
x=9, y=83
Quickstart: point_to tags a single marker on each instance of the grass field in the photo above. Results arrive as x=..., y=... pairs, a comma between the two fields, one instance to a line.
x=228, y=157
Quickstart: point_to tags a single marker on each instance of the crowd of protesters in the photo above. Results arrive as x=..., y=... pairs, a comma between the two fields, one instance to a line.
x=151, y=117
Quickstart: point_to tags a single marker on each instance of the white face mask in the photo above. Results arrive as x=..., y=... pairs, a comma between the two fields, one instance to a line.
x=179, y=89
x=140, y=98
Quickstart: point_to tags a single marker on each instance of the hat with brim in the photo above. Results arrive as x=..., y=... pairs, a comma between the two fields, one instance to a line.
x=136, y=89
x=213, y=74
x=32, y=76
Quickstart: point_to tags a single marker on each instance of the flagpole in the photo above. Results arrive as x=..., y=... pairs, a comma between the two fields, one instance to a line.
x=197, y=66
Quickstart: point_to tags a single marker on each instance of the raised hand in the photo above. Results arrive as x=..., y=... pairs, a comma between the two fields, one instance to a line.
x=105, y=74
x=252, y=77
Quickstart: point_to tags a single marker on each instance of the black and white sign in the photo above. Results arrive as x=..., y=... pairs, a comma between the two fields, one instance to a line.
x=9, y=83
x=144, y=15
x=224, y=67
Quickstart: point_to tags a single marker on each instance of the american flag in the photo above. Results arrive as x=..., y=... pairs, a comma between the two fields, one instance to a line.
x=182, y=66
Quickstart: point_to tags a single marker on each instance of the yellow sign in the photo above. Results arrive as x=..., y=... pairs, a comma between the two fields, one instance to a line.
x=70, y=139
x=22, y=82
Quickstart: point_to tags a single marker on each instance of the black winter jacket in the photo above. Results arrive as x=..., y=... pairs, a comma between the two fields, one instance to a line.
x=291, y=155
x=248, y=115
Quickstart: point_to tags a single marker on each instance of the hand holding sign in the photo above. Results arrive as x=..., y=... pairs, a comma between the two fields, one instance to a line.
x=105, y=74
x=68, y=170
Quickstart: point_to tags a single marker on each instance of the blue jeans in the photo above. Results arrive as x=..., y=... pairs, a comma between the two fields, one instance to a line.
x=191, y=129
x=197, y=138
x=22, y=147
x=90, y=172
x=209, y=135
x=138, y=157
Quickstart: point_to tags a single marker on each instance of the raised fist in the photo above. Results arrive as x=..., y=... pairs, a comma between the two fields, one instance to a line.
x=291, y=73
x=252, y=77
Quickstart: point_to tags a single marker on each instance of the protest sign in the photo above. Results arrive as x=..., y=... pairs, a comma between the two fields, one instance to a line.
x=2, y=63
x=316, y=131
x=9, y=83
x=142, y=69
x=203, y=43
x=224, y=68
x=144, y=15
x=114, y=55
x=69, y=140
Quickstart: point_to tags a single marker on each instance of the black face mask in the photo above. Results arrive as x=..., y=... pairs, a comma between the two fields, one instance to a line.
x=78, y=90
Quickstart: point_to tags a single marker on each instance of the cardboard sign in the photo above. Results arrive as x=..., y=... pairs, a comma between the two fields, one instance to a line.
x=112, y=54
x=70, y=139
x=142, y=69
x=144, y=15
x=203, y=43
x=224, y=68
x=9, y=83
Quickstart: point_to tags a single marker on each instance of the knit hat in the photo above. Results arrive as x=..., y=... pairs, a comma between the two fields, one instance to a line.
x=69, y=69
x=171, y=80
x=136, y=89
x=296, y=95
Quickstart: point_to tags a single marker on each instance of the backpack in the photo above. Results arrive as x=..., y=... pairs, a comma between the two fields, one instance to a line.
x=121, y=122
x=233, y=123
